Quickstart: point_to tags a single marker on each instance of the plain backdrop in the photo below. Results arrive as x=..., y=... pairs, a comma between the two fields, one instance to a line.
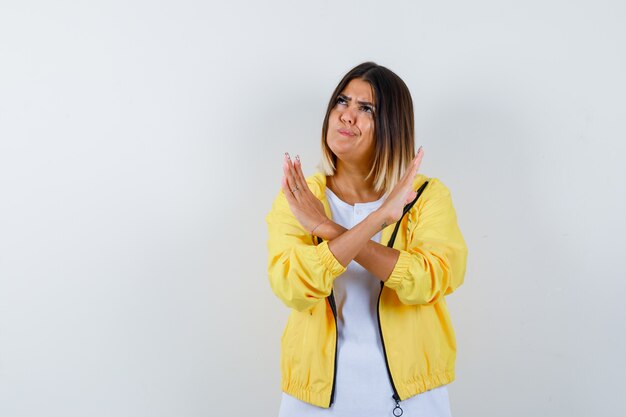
x=140, y=149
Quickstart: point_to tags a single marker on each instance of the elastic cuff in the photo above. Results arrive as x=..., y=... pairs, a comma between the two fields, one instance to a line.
x=329, y=260
x=399, y=270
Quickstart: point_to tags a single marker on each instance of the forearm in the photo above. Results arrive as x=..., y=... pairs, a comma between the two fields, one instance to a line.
x=376, y=258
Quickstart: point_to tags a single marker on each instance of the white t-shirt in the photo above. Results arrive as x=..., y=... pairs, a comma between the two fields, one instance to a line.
x=362, y=386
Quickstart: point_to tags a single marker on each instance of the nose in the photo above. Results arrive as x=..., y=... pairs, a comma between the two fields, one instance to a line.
x=347, y=116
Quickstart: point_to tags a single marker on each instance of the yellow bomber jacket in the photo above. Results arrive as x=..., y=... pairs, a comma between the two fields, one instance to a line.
x=418, y=338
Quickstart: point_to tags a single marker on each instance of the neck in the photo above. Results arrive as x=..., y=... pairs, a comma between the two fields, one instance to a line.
x=350, y=184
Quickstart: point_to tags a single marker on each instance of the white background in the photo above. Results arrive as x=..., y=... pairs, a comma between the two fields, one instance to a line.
x=141, y=146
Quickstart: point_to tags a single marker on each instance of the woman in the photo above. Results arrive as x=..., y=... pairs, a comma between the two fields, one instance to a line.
x=363, y=252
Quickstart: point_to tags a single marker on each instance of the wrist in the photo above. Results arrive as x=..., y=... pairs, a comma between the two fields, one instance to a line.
x=327, y=230
x=317, y=225
x=380, y=218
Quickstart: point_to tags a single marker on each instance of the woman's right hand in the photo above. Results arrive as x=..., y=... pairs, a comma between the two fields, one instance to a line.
x=402, y=194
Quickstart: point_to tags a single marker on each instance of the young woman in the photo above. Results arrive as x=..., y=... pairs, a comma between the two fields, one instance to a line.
x=363, y=252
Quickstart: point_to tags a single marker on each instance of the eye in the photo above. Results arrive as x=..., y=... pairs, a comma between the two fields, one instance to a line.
x=367, y=109
x=340, y=100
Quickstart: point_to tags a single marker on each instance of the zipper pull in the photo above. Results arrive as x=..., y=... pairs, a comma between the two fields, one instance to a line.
x=397, y=410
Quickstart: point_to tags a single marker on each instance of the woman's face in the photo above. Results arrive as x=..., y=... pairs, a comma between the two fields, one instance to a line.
x=351, y=124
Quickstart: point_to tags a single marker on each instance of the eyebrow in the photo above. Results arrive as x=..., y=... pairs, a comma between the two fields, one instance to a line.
x=347, y=98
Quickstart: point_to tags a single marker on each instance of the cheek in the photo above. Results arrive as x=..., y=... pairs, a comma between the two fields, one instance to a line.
x=368, y=128
x=332, y=118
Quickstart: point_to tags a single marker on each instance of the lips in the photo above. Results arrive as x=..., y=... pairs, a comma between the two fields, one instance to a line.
x=346, y=132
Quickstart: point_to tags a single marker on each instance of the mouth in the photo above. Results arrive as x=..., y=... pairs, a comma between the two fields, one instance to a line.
x=345, y=132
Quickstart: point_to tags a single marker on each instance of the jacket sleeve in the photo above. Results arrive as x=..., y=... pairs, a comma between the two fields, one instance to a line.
x=434, y=263
x=301, y=273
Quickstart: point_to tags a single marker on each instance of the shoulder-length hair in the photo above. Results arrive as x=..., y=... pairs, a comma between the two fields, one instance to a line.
x=394, y=135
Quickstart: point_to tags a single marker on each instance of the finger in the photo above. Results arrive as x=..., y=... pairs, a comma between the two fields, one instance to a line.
x=418, y=159
x=299, y=174
x=288, y=171
x=285, y=188
x=413, y=169
x=298, y=177
x=415, y=164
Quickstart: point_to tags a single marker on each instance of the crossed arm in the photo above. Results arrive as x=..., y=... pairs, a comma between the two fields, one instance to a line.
x=356, y=243
x=432, y=265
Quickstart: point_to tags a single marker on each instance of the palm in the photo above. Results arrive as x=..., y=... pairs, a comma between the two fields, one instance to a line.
x=403, y=193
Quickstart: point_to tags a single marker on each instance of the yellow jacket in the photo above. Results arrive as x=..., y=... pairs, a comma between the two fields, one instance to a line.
x=414, y=323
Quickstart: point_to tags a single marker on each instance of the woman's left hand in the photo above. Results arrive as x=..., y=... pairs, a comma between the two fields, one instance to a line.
x=403, y=193
x=308, y=209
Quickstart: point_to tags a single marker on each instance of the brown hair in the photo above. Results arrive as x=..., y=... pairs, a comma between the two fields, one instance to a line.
x=393, y=125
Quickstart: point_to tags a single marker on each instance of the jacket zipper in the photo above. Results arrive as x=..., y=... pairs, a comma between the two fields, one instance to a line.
x=395, y=396
x=397, y=411
x=333, y=307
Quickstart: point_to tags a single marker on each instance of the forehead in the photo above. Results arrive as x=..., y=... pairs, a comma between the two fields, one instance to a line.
x=359, y=89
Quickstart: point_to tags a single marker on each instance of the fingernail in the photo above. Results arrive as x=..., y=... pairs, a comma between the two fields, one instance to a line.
x=287, y=155
x=298, y=158
x=419, y=149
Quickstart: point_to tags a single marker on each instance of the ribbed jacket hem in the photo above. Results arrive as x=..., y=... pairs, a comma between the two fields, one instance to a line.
x=410, y=388
x=405, y=390
x=320, y=399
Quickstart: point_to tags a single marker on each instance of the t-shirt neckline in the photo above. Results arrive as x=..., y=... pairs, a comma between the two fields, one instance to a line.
x=366, y=205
